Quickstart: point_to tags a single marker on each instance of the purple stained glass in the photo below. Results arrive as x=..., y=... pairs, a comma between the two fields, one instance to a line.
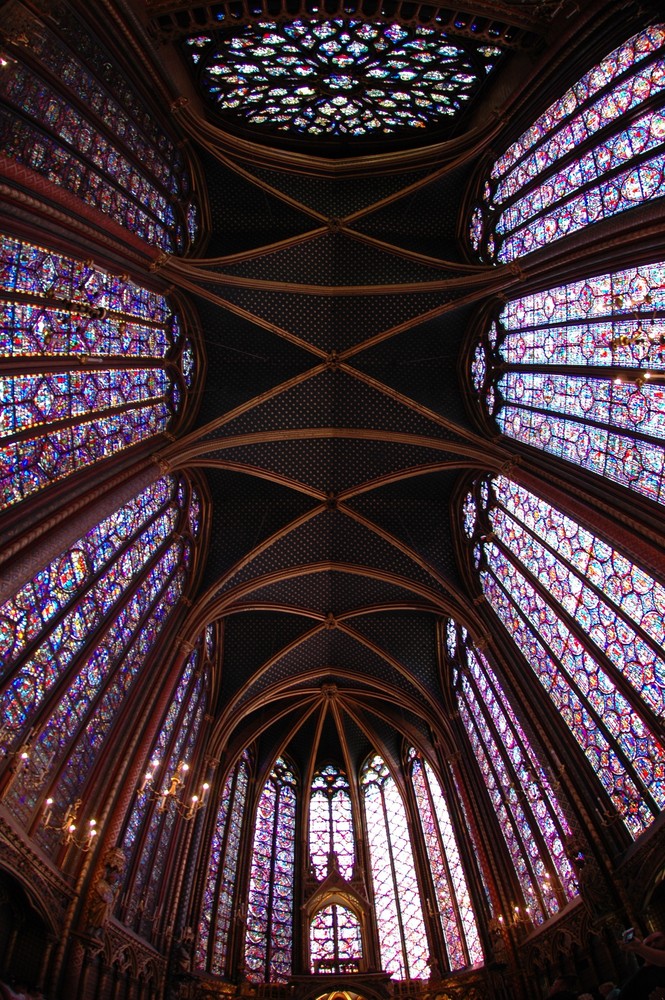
x=396, y=893
x=619, y=606
x=41, y=641
x=596, y=152
x=141, y=801
x=107, y=600
x=55, y=422
x=104, y=678
x=340, y=77
x=331, y=823
x=178, y=745
x=453, y=902
x=631, y=53
x=545, y=576
x=220, y=886
x=105, y=149
x=533, y=809
x=612, y=420
x=335, y=940
x=268, y=939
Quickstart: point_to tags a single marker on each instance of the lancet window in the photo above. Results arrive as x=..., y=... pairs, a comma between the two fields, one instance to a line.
x=330, y=823
x=577, y=371
x=589, y=622
x=90, y=363
x=335, y=940
x=397, y=897
x=522, y=791
x=453, y=902
x=164, y=796
x=221, y=888
x=598, y=151
x=269, y=937
x=59, y=118
x=77, y=636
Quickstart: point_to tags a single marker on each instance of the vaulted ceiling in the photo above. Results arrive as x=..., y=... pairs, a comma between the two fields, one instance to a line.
x=335, y=300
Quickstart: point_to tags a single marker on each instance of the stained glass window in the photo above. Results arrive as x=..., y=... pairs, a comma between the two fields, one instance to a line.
x=335, y=940
x=114, y=375
x=219, y=893
x=590, y=624
x=453, y=902
x=75, y=638
x=597, y=151
x=577, y=371
x=107, y=150
x=154, y=815
x=331, y=823
x=339, y=77
x=397, y=898
x=268, y=941
x=523, y=793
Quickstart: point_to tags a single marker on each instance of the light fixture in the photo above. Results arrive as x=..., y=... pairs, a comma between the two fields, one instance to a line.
x=67, y=827
x=170, y=794
x=27, y=768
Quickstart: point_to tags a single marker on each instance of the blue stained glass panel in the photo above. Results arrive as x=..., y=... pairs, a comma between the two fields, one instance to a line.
x=339, y=77
x=594, y=153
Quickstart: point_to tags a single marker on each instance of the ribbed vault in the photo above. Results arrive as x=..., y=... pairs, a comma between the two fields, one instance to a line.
x=333, y=433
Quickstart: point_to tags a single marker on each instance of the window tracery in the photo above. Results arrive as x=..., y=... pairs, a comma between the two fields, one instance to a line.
x=578, y=371
x=60, y=119
x=596, y=152
x=268, y=941
x=523, y=793
x=220, y=892
x=340, y=77
x=396, y=892
x=589, y=623
x=335, y=940
x=152, y=821
x=76, y=637
x=331, y=823
x=123, y=366
x=453, y=902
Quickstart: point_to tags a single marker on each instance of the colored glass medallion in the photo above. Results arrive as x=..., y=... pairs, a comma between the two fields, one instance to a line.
x=342, y=77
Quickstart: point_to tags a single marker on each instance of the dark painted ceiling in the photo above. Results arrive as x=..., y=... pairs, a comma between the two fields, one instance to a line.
x=334, y=436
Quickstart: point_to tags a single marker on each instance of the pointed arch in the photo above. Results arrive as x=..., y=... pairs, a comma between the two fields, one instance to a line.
x=93, y=363
x=269, y=935
x=594, y=153
x=578, y=370
x=586, y=619
x=396, y=891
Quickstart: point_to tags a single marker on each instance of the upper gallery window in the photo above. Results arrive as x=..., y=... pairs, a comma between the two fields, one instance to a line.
x=75, y=639
x=523, y=794
x=331, y=823
x=91, y=363
x=341, y=77
x=597, y=151
x=399, y=911
x=69, y=113
x=577, y=371
x=221, y=887
x=453, y=902
x=589, y=622
x=268, y=941
x=153, y=820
